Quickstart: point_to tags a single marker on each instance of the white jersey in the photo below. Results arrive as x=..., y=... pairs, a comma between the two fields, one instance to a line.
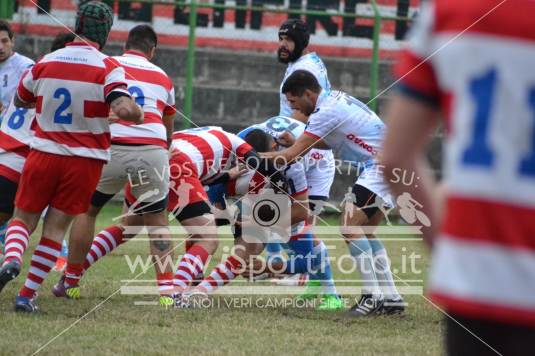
x=153, y=90
x=319, y=164
x=11, y=71
x=312, y=63
x=348, y=126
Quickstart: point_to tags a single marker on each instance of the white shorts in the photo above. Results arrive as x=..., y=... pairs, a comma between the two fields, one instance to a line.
x=145, y=168
x=372, y=179
x=320, y=171
x=11, y=165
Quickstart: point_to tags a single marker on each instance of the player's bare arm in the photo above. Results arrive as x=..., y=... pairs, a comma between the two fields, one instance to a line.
x=127, y=109
x=411, y=124
x=23, y=104
x=300, y=208
x=301, y=146
x=169, y=123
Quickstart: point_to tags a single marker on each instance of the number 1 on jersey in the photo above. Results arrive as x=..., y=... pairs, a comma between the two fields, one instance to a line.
x=527, y=165
x=479, y=152
x=482, y=90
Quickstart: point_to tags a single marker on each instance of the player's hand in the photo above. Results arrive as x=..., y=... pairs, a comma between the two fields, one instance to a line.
x=286, y=139
x=237, y=171
x=113, y=118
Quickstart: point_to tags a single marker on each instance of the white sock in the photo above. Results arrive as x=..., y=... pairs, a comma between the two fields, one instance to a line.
x=362, y=252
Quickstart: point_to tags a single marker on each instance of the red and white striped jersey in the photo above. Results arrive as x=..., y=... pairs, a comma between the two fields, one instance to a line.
x=154, y=92
x=474, y=60
x=15, y=138
x=69, y=88
x=210, y=149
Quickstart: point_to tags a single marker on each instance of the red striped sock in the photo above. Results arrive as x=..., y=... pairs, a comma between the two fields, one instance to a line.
x=43, y=259
x=165, y=283
x=73, y=274
x=222, y=274
x=191, y=265
x=105, y=242
x=17, y=240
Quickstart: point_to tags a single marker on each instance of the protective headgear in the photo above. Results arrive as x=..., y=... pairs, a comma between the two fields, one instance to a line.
x=297, y=30
x=93, y=21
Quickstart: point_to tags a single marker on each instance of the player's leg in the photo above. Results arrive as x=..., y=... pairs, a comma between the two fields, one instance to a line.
x=393, y=303
x=150, y=188
x=191, y=209
x=61, y=262
x=8, y=190
x=113, y=236
x=161, y=248
x=373, y=181
x=81, y=236
x=331, y=300
x=226, y=271
x=36, y=188
x=309, y=255
x=70, y=197
x=55, y=226
x=315, y=285
x=17, y=240
x=353, y=225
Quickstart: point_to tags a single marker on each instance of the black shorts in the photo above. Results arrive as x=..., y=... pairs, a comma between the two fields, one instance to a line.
x=8, y=191
x=507, y=339
x=365, y=197
x=100, y=199
x=315, y=203
x=193, y=210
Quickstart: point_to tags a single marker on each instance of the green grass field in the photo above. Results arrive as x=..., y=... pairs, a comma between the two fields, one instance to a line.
x=118, y=326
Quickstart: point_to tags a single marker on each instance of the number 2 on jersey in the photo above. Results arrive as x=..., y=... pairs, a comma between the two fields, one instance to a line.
x=138, y=95
x=60, y=117
x=479, y=153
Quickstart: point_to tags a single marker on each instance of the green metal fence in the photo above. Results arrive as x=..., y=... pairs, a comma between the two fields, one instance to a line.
x=7, y=7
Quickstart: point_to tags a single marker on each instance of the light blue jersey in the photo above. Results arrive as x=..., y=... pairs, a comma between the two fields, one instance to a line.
x=312, y=63
x=347, y=126
x=275, y=126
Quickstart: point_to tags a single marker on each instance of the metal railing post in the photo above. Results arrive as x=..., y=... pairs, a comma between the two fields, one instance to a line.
x=374, y=74
x=190, y=65
x=6, y=9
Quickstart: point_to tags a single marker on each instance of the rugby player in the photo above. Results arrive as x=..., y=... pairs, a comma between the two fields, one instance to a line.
x=72, y=90
x=139, y=156
x=344, y=124
x=482, y=218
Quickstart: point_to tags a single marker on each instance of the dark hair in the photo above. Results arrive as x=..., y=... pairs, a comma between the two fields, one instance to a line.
x=61, y=40
x=142, y=38
x=259, y=140
x=5, y=26
x=299, y=81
